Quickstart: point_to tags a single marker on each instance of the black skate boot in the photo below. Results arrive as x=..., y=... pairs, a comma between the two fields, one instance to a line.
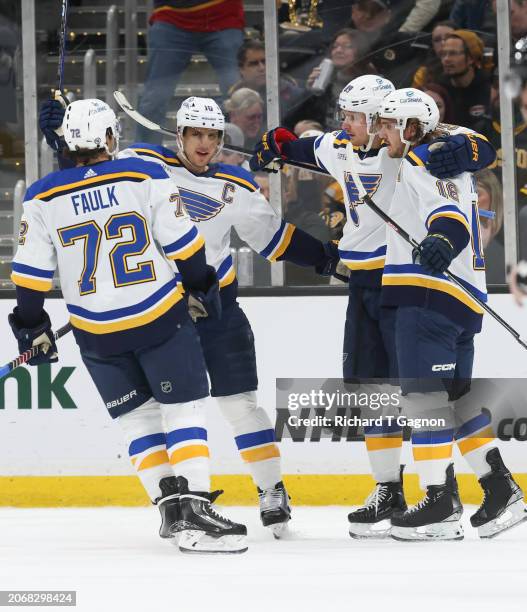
x=200, y=529
x=436, y=517
x=168, y=505
x=373, y=519
x=275, y=512
x=502, y=506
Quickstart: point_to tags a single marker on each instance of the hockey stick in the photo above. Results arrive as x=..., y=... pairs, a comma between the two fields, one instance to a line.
x=134, y=114
x=411, y=241
x=62, y=45
x=30, y=353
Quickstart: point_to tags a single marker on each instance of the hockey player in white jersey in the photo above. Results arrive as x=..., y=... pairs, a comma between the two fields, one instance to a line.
x=434, y=328
x=111, y=227
x=369, y=343
x=219, y=197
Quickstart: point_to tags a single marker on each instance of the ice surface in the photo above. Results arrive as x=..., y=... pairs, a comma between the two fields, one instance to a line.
x=115, y=561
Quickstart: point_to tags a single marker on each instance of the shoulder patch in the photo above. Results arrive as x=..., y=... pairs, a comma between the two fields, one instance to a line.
x=153, y=152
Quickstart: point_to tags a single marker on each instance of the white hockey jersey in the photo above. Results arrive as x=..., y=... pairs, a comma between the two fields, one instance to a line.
x=222, y=198
x=423, y=203
x=100, y=225
x=362, y=247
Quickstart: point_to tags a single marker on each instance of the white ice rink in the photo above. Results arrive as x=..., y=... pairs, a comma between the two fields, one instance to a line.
x=115, y=561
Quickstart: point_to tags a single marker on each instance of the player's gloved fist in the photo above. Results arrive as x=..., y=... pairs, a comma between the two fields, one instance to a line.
x=206, y=303
x=450, y=156
x=435, y=254
x=40, y=335
x=328, y=265
x=267, y=154
x=50, y=119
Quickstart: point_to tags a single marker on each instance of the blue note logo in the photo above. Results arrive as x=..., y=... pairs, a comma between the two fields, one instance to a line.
x=370, y=183
x=200, y=207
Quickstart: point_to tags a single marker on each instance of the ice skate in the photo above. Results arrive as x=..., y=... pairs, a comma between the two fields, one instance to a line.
x=503, y=505
x=436, y=517
x=373, y=519
x=201, y=529
x=275, y=511
x=168, y=505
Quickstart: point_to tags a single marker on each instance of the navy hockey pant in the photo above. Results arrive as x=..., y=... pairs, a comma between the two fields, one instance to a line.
x=172, y=372
x=433, y=352
x=369, y=337
x=228, y=347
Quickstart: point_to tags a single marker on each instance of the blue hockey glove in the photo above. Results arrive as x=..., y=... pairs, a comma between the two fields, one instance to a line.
x=206, y=303
x=328, y=266
x=267, y=154
x=40, y=335
x=450, y=156
x=435, y=255
x=50, y=119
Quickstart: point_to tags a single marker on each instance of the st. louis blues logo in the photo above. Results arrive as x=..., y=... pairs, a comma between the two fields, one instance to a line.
x=200, y=207
x=370, y=183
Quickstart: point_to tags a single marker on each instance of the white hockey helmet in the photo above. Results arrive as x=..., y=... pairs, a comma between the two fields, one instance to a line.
x=409, y=103
x=199, y=113
x=365, y=95
x=86, y=124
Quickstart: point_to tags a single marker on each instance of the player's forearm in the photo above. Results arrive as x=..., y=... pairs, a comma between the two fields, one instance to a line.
x=303, y=250
x=301, y=150
x=194, y=271
x=30, y=304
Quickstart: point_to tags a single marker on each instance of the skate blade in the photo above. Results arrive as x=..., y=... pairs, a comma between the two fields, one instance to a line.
x=198, y=542
x=511, y=517
x=279, y=530
x=370, y=531
x=445, y=531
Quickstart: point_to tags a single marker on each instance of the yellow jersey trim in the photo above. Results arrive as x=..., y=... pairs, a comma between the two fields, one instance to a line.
x=137, y=321
x=432, y=283
x=90, y=181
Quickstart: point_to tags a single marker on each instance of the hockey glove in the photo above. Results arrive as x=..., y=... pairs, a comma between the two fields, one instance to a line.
x=50, y=119
x=268, y=152
x=40, y=335
x=435, y=254
x=206, y=303
x=450, y=156
x=328, y=266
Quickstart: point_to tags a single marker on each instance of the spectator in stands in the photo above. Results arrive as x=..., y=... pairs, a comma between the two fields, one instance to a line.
x=307, y=124
x=333, y=210
x=251, y=64
x=432, y=68
x=518, y=19
x=346, y=52
x=467, y=84
x=491, y=128
x=393, y=15
x=176, y=32
x=233, y=135
x=473, y=15
x=443, y=101
x=246, y=110
x=490, y=199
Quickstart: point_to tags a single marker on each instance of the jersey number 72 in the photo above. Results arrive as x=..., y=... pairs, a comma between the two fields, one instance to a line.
x=91, y=235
